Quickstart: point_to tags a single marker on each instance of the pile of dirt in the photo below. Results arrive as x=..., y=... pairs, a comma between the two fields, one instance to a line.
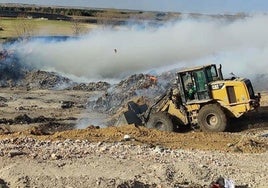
x=227, y=142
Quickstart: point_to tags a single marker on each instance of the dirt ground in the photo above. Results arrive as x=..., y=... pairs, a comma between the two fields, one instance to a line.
x=40, y=115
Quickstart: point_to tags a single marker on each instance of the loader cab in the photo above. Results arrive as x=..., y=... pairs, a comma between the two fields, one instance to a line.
x=194, y=83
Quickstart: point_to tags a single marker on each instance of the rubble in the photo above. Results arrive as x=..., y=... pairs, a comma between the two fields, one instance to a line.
x=111, y=97
x=109, y=101
x=67, y=104
x=92, y=86
x=15, y=152
x=3, y=99
x=134, y=183
x=127, y=137
x=44, y=80
x=25, y=119
x=3, y=184
x=46, y=125
x=118, y=95
x=166, y=168
x=13, y=73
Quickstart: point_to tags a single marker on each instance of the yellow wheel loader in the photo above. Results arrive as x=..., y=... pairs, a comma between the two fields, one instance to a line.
x=200, y=97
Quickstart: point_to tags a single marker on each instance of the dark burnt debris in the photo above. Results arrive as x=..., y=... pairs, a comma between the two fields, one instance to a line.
x=25, y=119
x=45, y=80
x=3, y=183
x=145, y=85
x=14, y=74
x=47, y=125
x=92, y=86
x=67, y=104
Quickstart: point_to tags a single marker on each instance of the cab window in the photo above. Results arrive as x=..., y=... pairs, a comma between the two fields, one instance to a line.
x=211, y=73
x=200, y=80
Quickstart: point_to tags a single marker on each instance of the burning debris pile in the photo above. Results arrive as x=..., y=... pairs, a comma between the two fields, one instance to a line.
x=92, y=86
x=11, y=71
x=45, y=80
x=108, y=99
x=14, y=74
x=136, y=85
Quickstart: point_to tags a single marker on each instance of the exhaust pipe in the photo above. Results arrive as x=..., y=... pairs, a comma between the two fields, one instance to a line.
x=220, y=73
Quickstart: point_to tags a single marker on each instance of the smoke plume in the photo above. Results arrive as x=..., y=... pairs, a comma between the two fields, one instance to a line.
x=241, y=46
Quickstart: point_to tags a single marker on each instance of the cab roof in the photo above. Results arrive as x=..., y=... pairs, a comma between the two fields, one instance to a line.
x=195, y=68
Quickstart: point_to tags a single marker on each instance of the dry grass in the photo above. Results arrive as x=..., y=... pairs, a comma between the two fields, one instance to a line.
x=40, y=27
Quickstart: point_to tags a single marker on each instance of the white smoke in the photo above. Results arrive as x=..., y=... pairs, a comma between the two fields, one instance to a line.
x=241, y=46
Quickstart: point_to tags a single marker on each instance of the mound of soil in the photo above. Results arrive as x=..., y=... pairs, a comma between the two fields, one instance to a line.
x=228, y=142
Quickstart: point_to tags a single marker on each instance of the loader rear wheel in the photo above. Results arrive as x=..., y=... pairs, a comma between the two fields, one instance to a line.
x=161, y=121
x=211, y=118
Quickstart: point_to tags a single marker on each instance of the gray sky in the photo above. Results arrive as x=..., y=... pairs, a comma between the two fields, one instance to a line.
x=186, y=6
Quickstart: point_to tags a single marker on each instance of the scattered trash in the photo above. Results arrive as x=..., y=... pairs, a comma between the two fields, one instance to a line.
x=222, y=183
x=55, y=156
x=3, y=99
x=15, y=152
x=3, y=184
x=127, y=137
x=67, y=104
x=3, y=104
x=264, y=135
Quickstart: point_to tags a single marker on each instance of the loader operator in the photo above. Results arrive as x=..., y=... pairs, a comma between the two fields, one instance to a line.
x=191, y=91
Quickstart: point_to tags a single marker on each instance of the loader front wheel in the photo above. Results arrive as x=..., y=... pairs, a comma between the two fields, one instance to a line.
x=161, y=121
x=211, y=118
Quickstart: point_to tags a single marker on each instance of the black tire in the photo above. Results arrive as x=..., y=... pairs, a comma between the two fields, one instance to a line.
x=161, y=121
x=211, y=118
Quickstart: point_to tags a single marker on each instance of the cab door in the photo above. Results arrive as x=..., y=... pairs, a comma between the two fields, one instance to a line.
x=201, y=85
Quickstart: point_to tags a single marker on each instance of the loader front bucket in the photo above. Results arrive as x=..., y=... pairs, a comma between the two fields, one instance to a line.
x=133, y=115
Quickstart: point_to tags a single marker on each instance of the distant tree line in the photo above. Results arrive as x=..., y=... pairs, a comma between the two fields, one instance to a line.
x=95, y=16
x=102, y=14
x=51, y=10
